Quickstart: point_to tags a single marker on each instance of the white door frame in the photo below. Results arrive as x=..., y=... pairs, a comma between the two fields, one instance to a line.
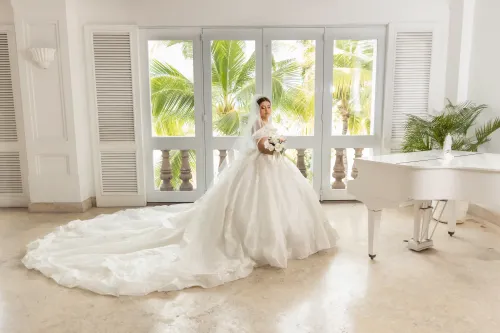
x=330, y=141
x=173, y=143
x=301, y=142
x=205, y=143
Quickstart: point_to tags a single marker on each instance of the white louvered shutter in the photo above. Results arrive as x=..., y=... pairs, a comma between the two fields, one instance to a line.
x=115, y=83
x=12, y=191
x=408, y=80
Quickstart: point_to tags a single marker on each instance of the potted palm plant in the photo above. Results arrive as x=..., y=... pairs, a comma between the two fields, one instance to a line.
x=428, y=133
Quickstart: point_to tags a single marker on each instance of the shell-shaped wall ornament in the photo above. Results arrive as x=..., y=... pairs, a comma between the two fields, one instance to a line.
x=43, y=56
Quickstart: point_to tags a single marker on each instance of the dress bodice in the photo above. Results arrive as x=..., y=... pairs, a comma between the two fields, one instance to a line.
x=265, y=131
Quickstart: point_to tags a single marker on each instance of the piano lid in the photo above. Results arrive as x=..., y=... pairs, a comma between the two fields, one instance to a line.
x=420, y=156
x=478, y=162
x=435, y=159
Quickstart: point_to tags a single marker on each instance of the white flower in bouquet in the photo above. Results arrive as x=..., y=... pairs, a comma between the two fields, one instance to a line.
x=278, y=147
x=268, y=145
x=274, y=140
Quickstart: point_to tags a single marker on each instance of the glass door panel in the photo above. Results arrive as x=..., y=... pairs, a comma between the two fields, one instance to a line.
x=352, y=118
x=173, y=114
x=233, y=77
x=293, y=86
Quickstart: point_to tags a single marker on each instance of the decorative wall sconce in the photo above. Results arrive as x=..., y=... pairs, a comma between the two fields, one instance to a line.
x=43, y=56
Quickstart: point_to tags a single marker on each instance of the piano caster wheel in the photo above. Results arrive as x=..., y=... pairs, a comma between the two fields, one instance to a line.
x=372, y=256
x=451, y=233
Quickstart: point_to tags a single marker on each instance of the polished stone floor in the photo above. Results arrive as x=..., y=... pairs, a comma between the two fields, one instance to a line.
x=453, y=288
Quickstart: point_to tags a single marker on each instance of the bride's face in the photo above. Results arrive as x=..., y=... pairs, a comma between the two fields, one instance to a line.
x=265, y=110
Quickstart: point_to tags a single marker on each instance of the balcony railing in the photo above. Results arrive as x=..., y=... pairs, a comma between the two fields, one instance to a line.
x=186, y=175
x=340, y=168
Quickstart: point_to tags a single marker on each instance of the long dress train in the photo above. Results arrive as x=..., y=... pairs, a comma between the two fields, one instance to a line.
x=262, y=211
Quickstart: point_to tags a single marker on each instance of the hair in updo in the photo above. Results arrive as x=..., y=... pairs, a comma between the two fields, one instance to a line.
x=262, y=100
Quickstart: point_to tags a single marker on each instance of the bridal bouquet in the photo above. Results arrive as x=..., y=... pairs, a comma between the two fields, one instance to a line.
x=275, y=144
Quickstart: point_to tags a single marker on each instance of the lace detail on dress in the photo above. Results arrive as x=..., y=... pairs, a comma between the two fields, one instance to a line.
x=265, y=131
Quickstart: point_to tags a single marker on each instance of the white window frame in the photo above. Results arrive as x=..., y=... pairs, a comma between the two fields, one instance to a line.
x=301, y=142
x=152, y=143
x=329, y=141
x=213, y=143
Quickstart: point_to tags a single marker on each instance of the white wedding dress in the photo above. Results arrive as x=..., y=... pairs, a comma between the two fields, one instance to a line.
x=261, y=211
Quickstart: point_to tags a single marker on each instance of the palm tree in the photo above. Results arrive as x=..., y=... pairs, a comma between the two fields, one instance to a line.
x=233, y=84
x=352, y=75
x=172, y=99
x=352, y=94
x=296, y=102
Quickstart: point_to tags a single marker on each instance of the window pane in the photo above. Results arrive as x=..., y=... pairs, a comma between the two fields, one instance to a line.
x=172, y=89
x=353, y=86
x=233, y=84
x=293, y=76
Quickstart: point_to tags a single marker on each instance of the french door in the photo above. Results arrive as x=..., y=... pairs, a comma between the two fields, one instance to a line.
x=352, y=102
x=325, y=85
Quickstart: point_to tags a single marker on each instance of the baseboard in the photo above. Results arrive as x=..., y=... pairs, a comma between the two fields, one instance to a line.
x=16, y=201
x=484, y=214
x=61, y=207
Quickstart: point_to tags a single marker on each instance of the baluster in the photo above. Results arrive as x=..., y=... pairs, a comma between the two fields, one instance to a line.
x=301, y=163
x=358, y=152
x=222, y=158
x=186, y=175
x=339, y=170
x=166, y=172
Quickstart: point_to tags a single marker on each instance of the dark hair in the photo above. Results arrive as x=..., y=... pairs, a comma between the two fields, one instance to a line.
x=262, y=100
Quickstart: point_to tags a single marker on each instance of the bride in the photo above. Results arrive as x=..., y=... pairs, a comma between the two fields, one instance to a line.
x=261, y=211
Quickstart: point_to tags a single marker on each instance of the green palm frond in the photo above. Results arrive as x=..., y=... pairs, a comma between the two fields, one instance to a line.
x=172, y=99
x=427, y=133
x=483, y=133
x=229, y=123
x=287, y=75
x=186, y=46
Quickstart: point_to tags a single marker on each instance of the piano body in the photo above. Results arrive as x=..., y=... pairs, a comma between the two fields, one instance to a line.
x=387, y=181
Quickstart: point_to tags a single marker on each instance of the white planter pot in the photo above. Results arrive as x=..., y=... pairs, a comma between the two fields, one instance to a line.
x=461, y=211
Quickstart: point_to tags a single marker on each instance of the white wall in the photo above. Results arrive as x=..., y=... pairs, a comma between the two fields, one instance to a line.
x=260, y=12
x=54, y=102
x=484, y=84
x=461, y=28
x=80, y=107
x=6, y=14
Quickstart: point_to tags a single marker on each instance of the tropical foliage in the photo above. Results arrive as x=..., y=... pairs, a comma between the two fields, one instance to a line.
x=428, y=133
x=233, y=83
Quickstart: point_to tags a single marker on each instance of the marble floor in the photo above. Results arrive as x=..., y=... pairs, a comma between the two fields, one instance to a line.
x=452, y=288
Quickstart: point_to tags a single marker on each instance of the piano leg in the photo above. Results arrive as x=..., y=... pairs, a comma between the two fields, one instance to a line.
x=452, y=222
x=373, y=230
x=422, y=211
x=417, y=218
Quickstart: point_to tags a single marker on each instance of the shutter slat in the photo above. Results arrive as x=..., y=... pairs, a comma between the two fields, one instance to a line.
x=412, y=76
x=10, y=173
x=8, y=127
x=114, y=89
x=115, y=111
x=119, y=172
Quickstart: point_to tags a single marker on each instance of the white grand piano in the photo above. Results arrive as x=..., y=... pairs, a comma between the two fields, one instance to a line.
x=388, y=181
